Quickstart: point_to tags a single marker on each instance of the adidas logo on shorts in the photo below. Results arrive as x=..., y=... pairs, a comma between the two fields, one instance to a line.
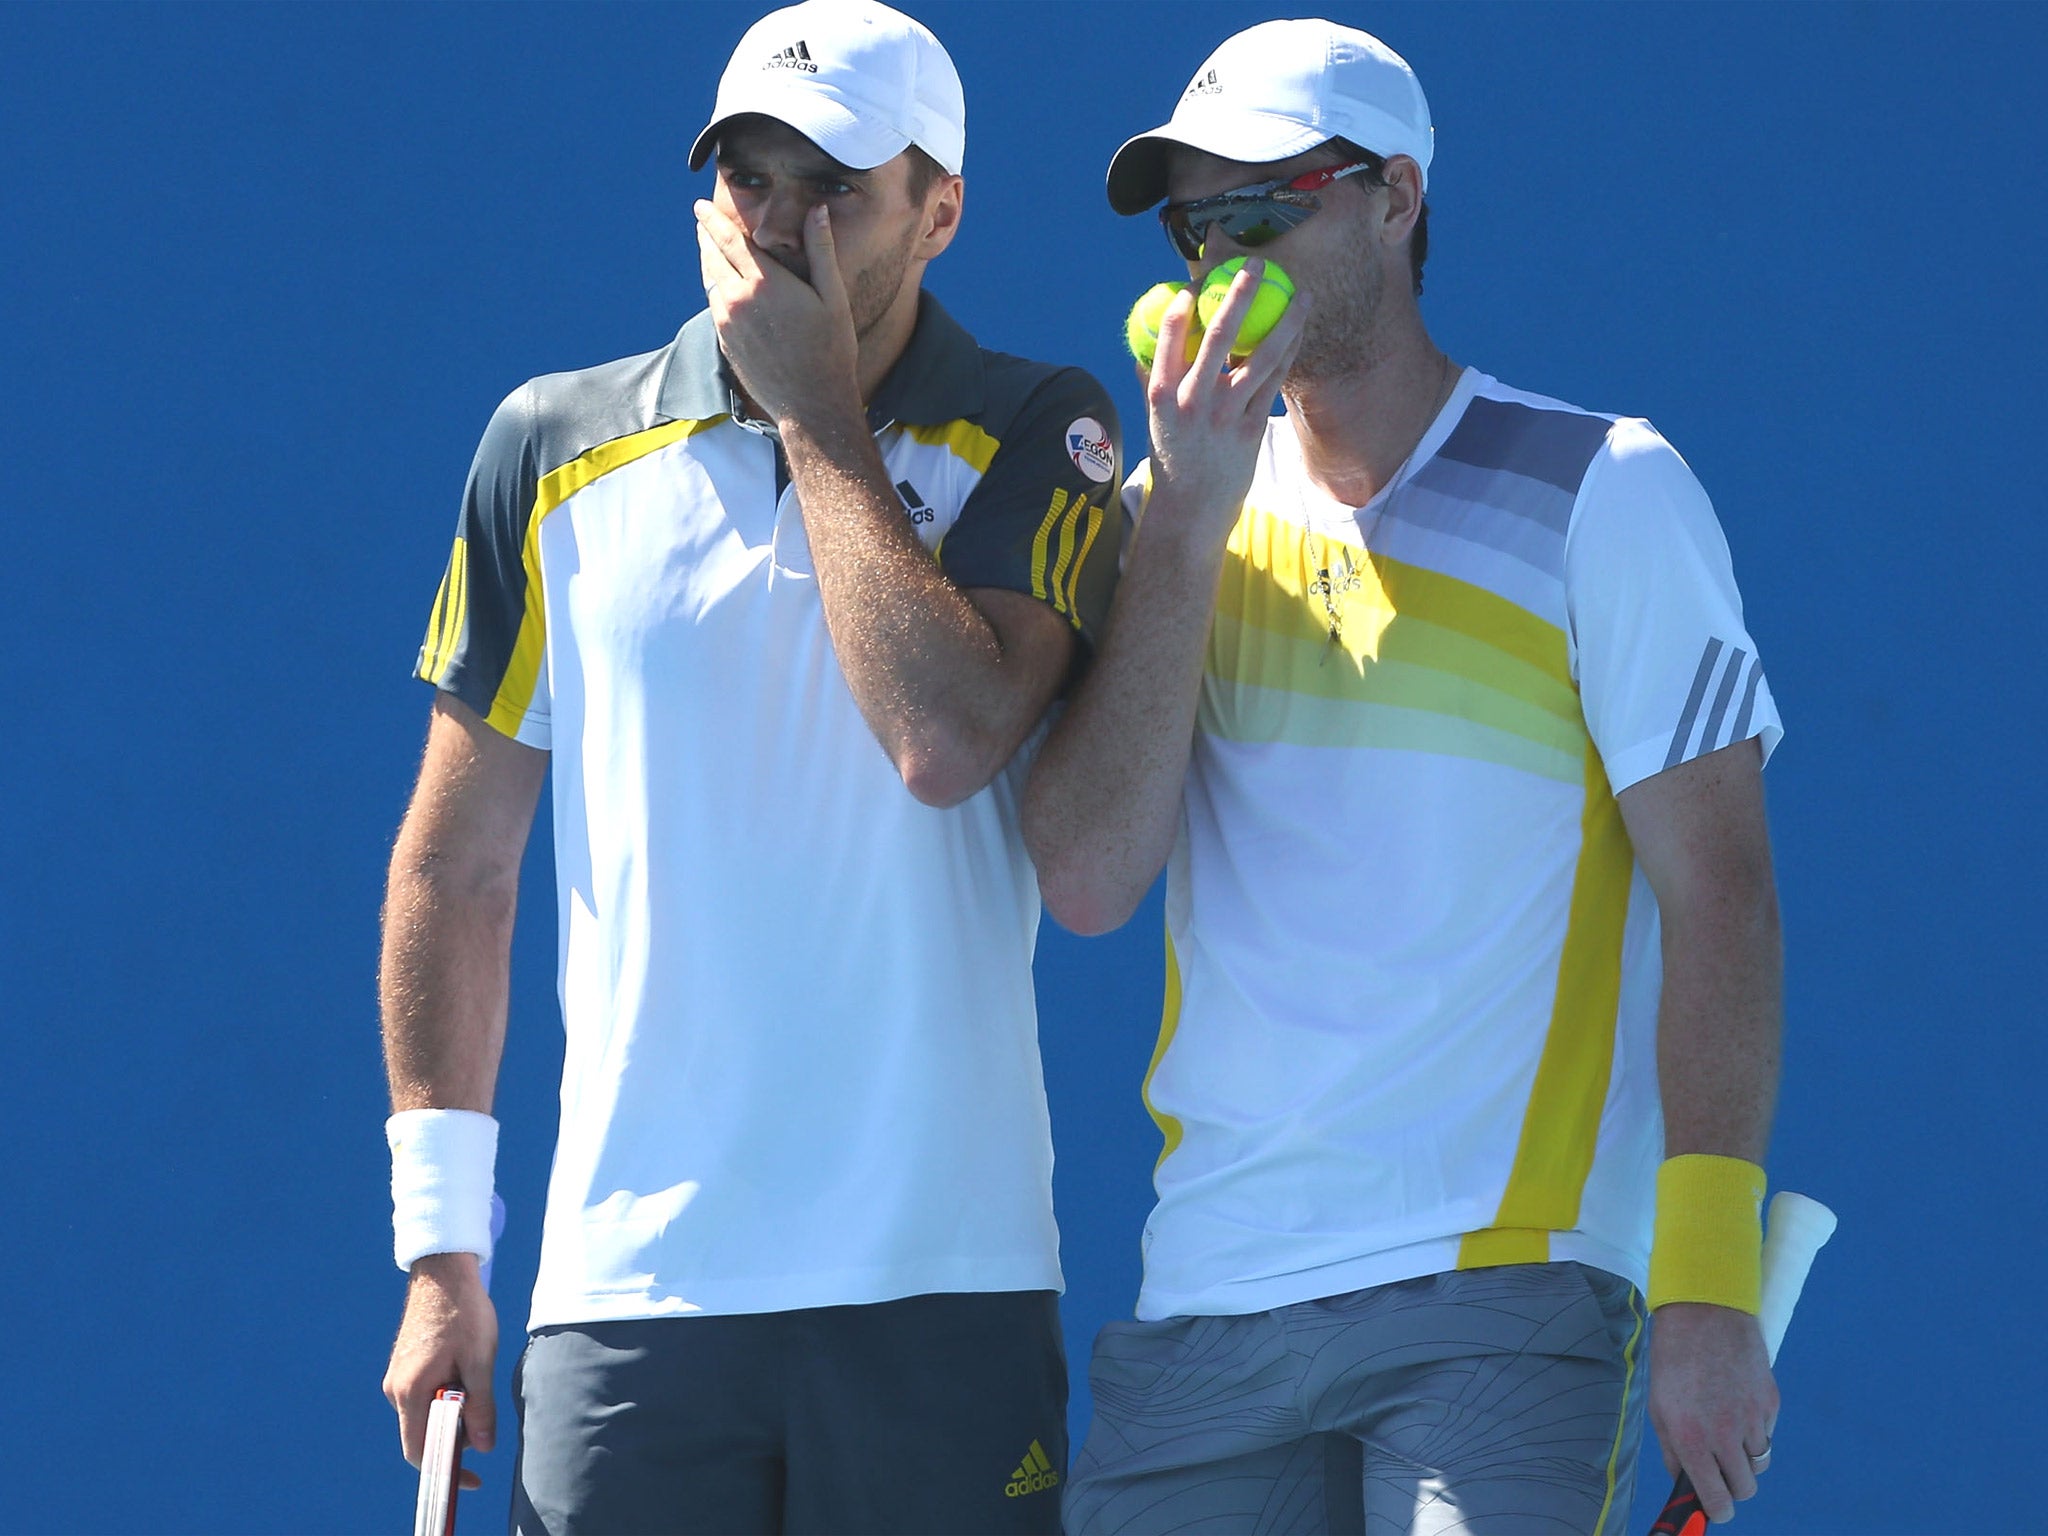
x=1034, y=1474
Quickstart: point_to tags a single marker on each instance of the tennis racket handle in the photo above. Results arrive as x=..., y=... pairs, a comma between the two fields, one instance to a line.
x=1798, y=1226
x=1797, y=1229
x=1682, y=1514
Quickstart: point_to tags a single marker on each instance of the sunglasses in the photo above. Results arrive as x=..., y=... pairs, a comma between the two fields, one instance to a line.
x=1251, y=216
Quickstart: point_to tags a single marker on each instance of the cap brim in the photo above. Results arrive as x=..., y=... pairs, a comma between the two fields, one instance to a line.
x=826, y=122
x=1137, y=171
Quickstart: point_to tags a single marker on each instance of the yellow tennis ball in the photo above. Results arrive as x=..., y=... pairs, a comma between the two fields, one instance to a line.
x=1141, y=329
x=1276, y=289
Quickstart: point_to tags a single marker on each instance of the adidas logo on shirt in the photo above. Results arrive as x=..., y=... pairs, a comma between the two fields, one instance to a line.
x=1034, y=1474
x=914, y=504
x=795, y=56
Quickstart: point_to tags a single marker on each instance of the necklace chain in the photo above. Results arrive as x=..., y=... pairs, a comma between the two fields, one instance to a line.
x=1329, y=584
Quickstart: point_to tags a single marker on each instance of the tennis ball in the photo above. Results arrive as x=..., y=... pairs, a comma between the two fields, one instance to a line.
x=1276, y=289
x=1141, y=330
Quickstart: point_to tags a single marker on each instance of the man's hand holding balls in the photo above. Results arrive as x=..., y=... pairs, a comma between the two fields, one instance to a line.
x=1269, y=303
x=1208, y=414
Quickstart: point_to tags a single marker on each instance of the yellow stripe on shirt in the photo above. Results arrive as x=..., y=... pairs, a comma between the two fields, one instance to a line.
x=458, y=618
x=522, y=674
x=1561, y=1124
x=1169, y=1020
x=963, y=439
x=431, y=660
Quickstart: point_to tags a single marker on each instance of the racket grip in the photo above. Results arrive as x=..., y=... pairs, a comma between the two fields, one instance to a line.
x=1682, y=1514
x=1798, y=1228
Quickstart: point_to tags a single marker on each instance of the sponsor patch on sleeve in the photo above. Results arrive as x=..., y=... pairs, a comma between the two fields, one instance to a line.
x=1088, y=447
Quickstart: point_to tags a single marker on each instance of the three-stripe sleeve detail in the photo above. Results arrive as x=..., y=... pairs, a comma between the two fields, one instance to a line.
x=1700, y=680
x=1056, y=567
x=451, y=614
x=1724, y=677
x=1712, y=732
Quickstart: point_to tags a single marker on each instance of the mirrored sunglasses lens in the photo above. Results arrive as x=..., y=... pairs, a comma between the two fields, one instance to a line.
x=1183, y=236
x=1252, y=230
x=1249, y=225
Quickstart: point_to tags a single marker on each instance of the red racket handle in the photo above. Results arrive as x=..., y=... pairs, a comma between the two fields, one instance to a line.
x=1682, y=1513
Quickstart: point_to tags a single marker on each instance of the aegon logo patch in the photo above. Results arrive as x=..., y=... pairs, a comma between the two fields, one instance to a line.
x=1088, y=447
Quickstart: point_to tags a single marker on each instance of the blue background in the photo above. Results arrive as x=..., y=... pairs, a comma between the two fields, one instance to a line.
x=268, y=270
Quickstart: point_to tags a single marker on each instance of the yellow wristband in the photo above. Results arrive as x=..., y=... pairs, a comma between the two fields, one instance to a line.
x=1709, y=1240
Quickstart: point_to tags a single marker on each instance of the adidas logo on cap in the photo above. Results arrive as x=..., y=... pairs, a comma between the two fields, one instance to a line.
x=1034, y=1474
x=796, y=56
x=1204, y=85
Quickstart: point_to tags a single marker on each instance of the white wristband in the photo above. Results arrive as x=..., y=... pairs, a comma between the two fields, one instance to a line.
x=443, y=1165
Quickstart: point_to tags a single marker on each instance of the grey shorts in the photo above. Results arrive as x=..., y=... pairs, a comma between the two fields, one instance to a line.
x=1504, y=1400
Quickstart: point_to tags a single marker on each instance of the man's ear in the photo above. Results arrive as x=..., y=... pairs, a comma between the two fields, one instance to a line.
x=942, y=205
x=1403, y=178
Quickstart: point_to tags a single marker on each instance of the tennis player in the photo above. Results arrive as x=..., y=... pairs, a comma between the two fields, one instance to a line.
x=1435, y=699
x=779, y=604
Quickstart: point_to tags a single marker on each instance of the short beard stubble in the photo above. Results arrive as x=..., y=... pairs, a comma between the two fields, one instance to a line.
x=1343, y=331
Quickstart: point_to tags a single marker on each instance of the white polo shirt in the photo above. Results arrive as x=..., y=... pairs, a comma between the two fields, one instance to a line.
x=802, y=1062
x=1413, y=969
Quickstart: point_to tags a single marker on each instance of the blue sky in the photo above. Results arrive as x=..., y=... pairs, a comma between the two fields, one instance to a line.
x=268, y=270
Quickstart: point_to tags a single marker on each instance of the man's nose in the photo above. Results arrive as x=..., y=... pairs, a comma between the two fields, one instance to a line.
x=780, y=219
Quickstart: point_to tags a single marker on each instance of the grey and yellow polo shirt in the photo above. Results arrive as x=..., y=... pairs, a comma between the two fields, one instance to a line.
x=802, y=1064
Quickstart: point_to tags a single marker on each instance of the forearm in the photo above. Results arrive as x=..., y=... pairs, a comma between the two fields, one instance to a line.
x=1719, y=1025
x=923, y=663
x=1103, y=806
x=443, y=980
x=1712, y=1398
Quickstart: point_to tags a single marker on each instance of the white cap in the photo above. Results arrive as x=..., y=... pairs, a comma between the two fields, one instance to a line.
x=857, y=79
x=1276, y=90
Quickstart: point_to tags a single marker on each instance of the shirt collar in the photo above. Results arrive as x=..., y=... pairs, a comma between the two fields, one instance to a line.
x=938, y=378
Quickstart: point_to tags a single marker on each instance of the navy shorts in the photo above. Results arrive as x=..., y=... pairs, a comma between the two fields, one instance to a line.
x=940, y=1414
